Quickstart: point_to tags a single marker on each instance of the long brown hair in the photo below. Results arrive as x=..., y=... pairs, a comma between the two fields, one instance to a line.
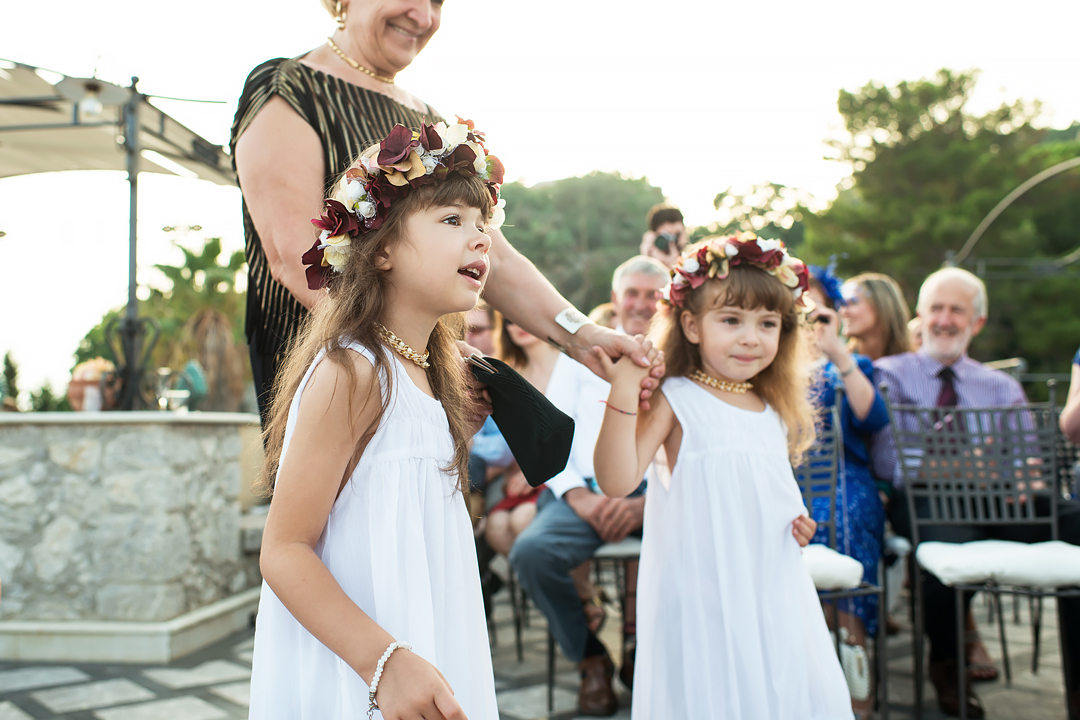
x=784, y=384
x=355, y=302
x=893, y=315
x=506, y=349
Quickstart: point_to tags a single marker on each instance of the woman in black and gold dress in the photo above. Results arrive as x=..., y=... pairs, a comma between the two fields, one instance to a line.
x=300, y=122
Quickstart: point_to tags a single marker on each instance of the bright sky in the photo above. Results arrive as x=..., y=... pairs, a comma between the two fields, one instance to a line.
x=695, y=95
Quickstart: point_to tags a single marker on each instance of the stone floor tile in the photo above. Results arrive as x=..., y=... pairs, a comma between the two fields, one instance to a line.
x=210, y=672
x=29, y=678
x=531, y=701
x=188, y=708
x=237, y=692
x=10, y=712
x=86, y=696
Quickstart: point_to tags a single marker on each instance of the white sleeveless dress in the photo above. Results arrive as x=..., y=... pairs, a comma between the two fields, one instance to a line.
x=399, y=542
x=729, y=625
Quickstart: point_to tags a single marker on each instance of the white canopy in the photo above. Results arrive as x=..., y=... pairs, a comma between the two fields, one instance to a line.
x=51, y=122
x=44, y=129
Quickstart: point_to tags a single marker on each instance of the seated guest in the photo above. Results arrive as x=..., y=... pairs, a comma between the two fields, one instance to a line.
x=535, y=360
x=875, y=315
x=953, y=307
x=603, y=314
x=1070, y=415
x=860, y=515
x=573, y=518
x=489, y=457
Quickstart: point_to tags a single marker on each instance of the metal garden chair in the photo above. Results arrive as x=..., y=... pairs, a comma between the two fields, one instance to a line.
x=617, y=555
x=837, y=576
x=991, y=467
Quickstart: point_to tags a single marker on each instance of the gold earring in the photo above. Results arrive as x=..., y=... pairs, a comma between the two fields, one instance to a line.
x=340, y=15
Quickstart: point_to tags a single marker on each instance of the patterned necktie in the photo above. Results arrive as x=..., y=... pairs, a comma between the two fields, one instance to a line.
x=947, y=399
x=947, y=396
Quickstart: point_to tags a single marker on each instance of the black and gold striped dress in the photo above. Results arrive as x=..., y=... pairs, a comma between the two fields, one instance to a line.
x=347, y=118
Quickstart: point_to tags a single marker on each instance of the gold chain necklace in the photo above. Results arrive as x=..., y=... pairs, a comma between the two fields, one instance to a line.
x=357, y=66
x=401, y=347
x=722, y=385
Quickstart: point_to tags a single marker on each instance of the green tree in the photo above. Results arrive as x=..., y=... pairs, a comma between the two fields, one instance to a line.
x=10, y=379
x=925, y=171
x=770, y=210
x=577, y=230
x=45, y=400
x=199, y=293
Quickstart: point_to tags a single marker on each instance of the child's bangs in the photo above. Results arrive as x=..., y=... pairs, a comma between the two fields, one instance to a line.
x=749, y=288
x=456, y=189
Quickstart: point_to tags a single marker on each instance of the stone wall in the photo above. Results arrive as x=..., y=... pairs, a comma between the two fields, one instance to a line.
x=121, y=516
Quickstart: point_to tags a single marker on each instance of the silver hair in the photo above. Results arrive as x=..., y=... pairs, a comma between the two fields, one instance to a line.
x=639, y=265
x=973, y=282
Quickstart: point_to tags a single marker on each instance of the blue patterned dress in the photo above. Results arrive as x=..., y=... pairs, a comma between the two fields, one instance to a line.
x=861, y=517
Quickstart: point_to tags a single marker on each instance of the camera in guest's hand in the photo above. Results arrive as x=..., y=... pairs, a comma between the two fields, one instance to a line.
x=665, y=241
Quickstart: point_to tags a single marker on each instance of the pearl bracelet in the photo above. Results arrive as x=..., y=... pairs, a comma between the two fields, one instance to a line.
x=372, y=705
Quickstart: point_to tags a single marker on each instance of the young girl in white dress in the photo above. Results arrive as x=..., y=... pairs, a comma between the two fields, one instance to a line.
x=371, y=605
x=729, y=624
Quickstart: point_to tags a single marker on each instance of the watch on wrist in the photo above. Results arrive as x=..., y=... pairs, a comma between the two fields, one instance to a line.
x=571, y=319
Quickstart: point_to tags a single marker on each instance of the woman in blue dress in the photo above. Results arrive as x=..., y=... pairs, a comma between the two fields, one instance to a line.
x=860, y=515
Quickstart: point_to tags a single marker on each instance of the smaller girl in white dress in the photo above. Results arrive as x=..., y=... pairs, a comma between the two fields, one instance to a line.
x=371, y=603
x=729, y=623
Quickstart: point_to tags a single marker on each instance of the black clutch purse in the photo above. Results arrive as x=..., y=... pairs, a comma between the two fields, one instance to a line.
x=538, y=433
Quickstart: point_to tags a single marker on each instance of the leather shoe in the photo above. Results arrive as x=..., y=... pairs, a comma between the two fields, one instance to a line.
x=595, y=696
x=944, y=676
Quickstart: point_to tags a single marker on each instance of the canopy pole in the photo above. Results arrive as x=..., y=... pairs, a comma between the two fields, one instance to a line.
x=131, y=334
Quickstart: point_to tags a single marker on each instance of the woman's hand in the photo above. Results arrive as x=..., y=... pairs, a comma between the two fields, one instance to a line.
x=625, y=371
x=803, y=528
x=827, y=335
x=412, y=688
x=617, y=345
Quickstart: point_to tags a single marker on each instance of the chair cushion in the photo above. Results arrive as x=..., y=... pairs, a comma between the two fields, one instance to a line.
x=831, y=570
x=1045, y=564
x=627, y=548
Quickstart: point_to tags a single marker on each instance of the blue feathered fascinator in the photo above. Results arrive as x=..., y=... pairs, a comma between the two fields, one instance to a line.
x=830, y=281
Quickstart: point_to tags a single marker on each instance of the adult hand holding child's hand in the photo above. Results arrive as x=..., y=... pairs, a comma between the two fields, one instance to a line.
x=611, y=345
x=620, y=372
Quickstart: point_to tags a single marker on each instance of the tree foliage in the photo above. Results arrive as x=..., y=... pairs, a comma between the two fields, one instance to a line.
x=9, y=382
x=577, y=230
x=925, y=172
x=770, y=210
x=200, y=293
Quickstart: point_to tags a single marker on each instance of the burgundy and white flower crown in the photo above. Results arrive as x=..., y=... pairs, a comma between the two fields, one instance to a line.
x=714, y=257
x=389, y=170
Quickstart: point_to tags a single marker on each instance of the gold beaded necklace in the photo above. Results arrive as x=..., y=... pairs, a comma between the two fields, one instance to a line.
x=357, y=66
x=401, y=347
x=722, y=385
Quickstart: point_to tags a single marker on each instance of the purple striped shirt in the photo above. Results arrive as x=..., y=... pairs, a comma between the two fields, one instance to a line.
x=912, y=379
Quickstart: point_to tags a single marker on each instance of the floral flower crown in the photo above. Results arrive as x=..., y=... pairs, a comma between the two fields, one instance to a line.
x=714, y=258
x=389, y=170
x=830, y=282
